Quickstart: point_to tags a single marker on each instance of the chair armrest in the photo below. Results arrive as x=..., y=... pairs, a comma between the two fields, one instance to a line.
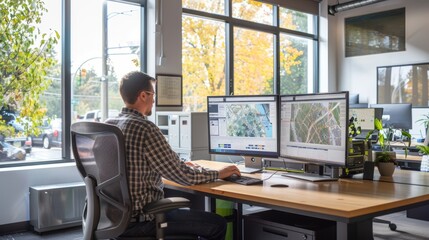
x=166, y=204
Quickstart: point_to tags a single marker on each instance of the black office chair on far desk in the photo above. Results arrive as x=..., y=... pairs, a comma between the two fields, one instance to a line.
x=99, y=151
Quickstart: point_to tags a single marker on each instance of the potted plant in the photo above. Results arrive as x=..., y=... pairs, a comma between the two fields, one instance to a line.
x=424, y=165
x=425, y=122
x=385, y=158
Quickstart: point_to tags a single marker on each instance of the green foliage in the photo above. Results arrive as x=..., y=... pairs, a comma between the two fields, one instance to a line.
x=424, y=121
x=26, y=53
x=384, y=136
x=6, y=130
x=423, y=149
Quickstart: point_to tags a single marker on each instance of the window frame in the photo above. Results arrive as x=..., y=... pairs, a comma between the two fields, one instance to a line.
x=66, y=77
x=231, y=23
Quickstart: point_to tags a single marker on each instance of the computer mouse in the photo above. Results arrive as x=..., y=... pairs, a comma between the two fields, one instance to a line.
x=279, y=185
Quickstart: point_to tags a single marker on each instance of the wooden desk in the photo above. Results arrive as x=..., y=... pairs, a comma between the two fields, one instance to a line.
x=352, y=204
x=405, y=177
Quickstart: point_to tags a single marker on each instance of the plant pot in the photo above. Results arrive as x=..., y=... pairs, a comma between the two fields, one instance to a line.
x=386, y=169
x=374, y=155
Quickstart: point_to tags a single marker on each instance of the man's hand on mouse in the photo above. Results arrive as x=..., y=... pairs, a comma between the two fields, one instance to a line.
x=228, y=171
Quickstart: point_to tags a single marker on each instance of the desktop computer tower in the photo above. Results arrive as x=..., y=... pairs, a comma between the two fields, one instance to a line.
x=186, y=132
x=273, y=225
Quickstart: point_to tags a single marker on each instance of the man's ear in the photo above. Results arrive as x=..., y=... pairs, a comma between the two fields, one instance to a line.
x=143, y=96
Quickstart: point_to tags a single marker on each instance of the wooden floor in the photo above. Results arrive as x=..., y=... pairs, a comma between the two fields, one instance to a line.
x=407, y=229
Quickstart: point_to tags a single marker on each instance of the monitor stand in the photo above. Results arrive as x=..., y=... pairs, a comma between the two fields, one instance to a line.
x=251, y=165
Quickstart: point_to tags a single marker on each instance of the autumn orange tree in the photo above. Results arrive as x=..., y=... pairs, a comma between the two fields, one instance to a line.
x=204, y=53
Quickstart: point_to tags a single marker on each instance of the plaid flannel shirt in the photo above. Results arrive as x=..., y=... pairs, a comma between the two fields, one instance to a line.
x=149, y=158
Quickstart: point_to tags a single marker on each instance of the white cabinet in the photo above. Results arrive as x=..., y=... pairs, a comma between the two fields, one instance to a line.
x=186, y=132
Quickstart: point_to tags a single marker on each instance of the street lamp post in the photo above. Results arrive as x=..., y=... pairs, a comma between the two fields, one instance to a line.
x=104, y=69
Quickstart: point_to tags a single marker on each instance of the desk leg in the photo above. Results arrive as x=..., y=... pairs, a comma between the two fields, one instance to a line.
x=239, y=221
x=355, y=231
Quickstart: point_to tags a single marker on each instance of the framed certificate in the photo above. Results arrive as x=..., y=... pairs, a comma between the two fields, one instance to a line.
x=168, y=90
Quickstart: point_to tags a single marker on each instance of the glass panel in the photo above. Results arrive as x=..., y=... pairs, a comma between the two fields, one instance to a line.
x=253, y=62
x=24, y=116
x=86, y=57
x=203, y=61
x=123, y=48
x=298, y=21
x=212, y=6
x=404, y=84
x=296, y=65
x=253, y=11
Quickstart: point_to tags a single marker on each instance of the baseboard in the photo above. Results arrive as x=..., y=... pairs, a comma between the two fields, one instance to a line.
x=15, y=227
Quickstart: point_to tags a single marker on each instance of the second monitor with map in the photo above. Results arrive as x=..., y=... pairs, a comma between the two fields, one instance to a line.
x=313, y=128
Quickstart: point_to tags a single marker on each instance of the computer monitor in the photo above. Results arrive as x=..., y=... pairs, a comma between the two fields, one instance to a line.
x=358, y=105
x=353, y=98
x=243, y=125
x=364, y=117
x=314, y=128
x=396, y=115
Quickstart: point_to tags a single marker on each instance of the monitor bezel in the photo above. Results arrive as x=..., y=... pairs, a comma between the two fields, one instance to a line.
x=346, y=132
x=244, y=153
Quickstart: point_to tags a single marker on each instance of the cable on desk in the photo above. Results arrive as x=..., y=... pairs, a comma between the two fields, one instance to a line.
x=270, y=176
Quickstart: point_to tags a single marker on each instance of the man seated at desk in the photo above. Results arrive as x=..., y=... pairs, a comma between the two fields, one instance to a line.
x=150, y=158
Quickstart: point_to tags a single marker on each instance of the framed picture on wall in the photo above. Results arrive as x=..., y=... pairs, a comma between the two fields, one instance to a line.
x=375, y=33
x=407, y=83
x=168, y=90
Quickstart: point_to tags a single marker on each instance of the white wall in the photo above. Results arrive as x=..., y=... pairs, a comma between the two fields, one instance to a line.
x=358, y=74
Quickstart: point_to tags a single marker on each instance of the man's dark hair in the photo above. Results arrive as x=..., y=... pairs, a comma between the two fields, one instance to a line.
x=133, y=83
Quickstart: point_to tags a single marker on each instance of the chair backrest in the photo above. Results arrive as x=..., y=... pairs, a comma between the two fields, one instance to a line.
x=99, y=151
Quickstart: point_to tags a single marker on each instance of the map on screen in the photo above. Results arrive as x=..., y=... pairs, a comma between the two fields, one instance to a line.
x=316, y=123
x=250, y=120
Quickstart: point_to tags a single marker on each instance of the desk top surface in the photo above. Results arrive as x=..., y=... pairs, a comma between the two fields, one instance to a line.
x=405, y=177
x=401, y=157
x=343, y=198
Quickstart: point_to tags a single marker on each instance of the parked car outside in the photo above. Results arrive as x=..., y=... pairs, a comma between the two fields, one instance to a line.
x=10, y=118
x=9, y=152
x=51, y=134
x=95, y=115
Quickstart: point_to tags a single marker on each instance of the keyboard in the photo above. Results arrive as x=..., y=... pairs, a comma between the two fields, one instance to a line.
x=244, y=180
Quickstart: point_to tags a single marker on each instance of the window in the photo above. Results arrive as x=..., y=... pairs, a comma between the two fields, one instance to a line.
x=253, y=62
x=92, y=81
x=203, y=58
x=212, y=6
x=253, y=48
x=298, y=21
x=296, y=64
x=253, y=11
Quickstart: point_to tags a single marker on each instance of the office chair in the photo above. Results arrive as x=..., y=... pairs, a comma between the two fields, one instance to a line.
x=99, y=151
x=392, y=226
